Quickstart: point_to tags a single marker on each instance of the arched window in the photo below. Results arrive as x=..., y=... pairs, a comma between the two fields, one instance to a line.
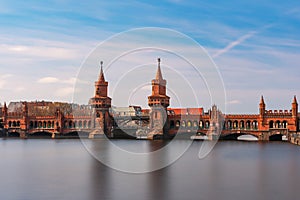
x=284, y=124
x=189, y=123
x=40, y=124
x=195, y=124
x=277, y=124
x=229, y=124
x=255, y=124
x=49, y=124
x=242, y=124
x=31, y=124
x=183, y=123
x=271, y=124
x=235, y=124
x=172, y=124
x=177, y=123
x=201, y=124
x=248, y=124
x=207, y=124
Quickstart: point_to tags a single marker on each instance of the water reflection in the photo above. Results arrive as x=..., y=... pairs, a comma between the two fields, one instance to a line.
x=63, y=169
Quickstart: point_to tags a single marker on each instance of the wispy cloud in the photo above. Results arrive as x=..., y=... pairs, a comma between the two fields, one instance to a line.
x=234, y=43
x=233, y=102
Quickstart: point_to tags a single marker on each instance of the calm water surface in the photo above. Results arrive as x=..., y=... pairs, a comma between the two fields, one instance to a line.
x=63, y=169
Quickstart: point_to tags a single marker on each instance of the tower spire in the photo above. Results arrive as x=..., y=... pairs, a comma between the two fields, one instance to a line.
x=158, y=73
x=295, y=100
x=101, y=76
x=262, y=100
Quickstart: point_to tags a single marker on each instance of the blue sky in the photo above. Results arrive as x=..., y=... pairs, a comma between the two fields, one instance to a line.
x=255, y=44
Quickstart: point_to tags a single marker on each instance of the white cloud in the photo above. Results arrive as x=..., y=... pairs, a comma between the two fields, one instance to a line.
x=48, y=80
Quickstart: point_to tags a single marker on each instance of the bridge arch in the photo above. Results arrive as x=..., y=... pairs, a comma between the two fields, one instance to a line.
x=235, y=135
x=275, y=137
x=13, y=134
x=40, y=134
x=76, y=134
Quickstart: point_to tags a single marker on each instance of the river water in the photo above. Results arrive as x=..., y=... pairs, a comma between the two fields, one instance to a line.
x=63, y=169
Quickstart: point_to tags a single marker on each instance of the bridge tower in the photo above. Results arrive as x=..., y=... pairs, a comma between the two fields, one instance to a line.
x=262, y=106
x=158, y=102
x=4, y=119
x=262, y=109
x=101, y=103
x=295, y=114
x=4, y=114
x=263, y=125
x=24, y=122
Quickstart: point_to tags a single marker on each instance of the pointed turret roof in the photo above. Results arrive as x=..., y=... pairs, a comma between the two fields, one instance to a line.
x=295, y=100
x=101, y=76
x=158, y=73
x=262, y=100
